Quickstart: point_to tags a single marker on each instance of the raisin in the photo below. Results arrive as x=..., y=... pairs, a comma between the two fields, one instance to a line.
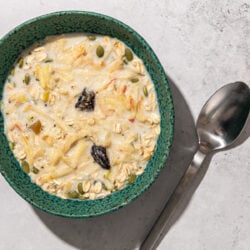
x=86, y=100
x=100, y=156
x=36, y=127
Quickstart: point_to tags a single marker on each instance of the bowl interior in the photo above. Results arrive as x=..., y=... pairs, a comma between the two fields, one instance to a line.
x=37, y=29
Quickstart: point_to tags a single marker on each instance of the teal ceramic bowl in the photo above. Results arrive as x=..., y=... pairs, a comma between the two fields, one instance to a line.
x=11, y=46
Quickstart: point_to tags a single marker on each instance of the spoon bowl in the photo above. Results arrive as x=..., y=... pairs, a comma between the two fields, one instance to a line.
x=223, y=116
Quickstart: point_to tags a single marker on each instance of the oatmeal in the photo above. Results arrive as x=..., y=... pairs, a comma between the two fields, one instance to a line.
x=81, y=115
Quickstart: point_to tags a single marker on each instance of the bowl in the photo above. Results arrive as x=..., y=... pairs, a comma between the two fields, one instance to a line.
x=23, y=36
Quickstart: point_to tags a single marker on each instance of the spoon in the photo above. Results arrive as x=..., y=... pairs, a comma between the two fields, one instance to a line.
x=220, y=122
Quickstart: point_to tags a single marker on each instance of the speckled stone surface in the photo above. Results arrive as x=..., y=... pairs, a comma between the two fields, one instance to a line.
x=201, y=45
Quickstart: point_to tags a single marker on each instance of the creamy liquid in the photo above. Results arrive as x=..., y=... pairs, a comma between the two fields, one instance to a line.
x=53, y=139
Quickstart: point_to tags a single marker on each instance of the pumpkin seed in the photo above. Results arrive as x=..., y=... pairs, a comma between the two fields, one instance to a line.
x=83, y=198
x=134, y=80
x=27, y=79
x=91, y=38
x=25, y=167
x=35, y=170
x=12, y=145
x=48, y=60
x=73, y=195
x=145, y=91
x=131, y=178
x=129, y=54
x=100, y=51
x=20, y=63
x=12, y=72
x=79, y=188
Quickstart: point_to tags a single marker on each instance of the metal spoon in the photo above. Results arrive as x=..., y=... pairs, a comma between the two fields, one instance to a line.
x=220, y=122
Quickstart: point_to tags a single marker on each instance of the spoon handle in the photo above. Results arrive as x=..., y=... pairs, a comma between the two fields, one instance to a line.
x=164, y=218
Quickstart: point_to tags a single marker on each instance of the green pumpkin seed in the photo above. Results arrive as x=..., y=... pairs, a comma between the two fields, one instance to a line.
x=27, y=79
x=73, y=195
x=134, y=80
x=91, y=38
x=20, y=63
x=107, y=174
x=104, y=187
x=12, y=145
x=79, y=188
x=100, y=51
x=129, y=54
x=35, y=170
x=12, y=72
x=25, y=167
x=48, y=60
x=131, y=178
x=145, y=91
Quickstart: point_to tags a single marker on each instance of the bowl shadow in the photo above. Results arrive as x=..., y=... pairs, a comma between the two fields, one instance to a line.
x=126, y=228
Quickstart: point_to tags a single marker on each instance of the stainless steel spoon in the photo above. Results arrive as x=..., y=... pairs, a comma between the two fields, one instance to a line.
x=220, y=122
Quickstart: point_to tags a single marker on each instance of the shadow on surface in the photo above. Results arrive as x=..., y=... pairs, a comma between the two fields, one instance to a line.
x=184, y=200
x=127, y=227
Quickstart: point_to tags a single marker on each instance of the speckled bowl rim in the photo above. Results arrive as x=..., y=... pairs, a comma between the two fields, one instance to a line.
x=152, y=178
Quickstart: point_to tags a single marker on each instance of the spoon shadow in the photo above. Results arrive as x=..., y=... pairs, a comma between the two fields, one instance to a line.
x=126, y=228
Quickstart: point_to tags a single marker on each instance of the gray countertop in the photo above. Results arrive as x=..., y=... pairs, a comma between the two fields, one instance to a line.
x=202, y=45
